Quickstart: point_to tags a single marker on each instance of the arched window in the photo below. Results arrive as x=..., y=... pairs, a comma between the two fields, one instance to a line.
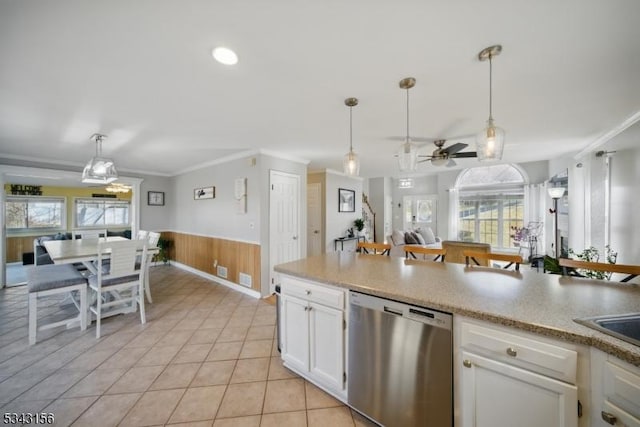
x=490, y=204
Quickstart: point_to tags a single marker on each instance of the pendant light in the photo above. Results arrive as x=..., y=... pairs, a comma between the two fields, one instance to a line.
x=490, y=140
x=99, y=170
x=408, y=152
x=351, y=163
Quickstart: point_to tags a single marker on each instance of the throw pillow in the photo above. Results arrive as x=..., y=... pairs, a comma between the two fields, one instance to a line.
x=428, y=236
x=410, y=238
x=398, y=237
x=420, y=238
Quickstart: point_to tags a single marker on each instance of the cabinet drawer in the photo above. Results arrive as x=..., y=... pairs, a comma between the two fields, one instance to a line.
x=519, y=350
x=311, y=292
x=622, y=388
x=621, y=416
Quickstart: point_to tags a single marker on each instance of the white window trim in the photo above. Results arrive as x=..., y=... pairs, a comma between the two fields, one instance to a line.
x=39, y=230
x=100, y=226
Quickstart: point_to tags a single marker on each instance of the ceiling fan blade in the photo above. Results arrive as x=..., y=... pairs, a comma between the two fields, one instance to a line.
x=458, y=146
x=463, y=155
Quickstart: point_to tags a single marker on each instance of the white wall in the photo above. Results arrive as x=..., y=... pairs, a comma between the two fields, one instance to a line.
x=217, y=217
x=337, y=223
x=625, y=205
x=156, y=218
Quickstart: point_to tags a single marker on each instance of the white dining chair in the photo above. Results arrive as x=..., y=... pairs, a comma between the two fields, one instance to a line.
x=153, y=239
x=88, y=234
x=118, y=290
x=152, y=242
x=142, y=234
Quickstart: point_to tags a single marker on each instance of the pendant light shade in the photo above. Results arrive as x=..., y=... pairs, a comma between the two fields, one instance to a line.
x=99, y=170
x=408, y=152
x=490, y=140
x=351, y=163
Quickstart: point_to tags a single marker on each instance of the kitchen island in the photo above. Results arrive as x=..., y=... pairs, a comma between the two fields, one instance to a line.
x=511, y=329
x=545, y=304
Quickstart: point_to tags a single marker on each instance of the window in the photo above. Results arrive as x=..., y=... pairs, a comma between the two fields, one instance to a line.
x=35, y=212
x=491, y=204
x=101, y=212
x=419, y=211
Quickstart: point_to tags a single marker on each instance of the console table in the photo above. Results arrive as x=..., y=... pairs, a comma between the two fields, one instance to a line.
x=345, y=239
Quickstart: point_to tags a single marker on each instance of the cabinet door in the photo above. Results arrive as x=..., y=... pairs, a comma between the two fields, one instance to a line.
x=495, y=394
x=295, y=332
x=326, y=343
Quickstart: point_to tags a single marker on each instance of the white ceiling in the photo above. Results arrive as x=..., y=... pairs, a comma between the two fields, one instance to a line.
x=141, y=72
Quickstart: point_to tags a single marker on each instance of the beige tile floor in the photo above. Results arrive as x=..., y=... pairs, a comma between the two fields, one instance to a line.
x=207, y=356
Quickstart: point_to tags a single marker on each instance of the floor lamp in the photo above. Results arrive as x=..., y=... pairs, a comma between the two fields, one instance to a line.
x=555, y=193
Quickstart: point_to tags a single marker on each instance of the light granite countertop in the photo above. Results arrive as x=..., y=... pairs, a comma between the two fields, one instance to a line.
x=529, y=300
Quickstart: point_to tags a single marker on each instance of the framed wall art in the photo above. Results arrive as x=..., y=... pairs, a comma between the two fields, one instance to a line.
x=204, y=193
x=155, y=198
x=346, y=200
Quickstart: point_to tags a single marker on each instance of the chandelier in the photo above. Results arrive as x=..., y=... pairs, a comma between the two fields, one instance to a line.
x=99, y=170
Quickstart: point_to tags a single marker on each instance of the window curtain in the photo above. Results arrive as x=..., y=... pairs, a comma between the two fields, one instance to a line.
x=535, y=209
x=454, y=199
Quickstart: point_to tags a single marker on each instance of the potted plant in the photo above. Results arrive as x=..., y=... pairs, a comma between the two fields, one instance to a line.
x=164, y=245
x=359, y=224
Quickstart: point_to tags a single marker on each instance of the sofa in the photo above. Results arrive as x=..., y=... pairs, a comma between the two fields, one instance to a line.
x=420, y=236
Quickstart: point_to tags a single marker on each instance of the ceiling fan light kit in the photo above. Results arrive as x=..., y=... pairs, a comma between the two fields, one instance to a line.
x=99, y=170
x=490, y=140
x=408, y=152
x=351, y=163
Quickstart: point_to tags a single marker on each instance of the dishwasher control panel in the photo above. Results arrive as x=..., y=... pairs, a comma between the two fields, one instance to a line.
x=419, y=314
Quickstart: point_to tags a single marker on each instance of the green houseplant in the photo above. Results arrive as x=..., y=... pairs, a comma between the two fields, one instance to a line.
x=164, y=245
x=359, y=224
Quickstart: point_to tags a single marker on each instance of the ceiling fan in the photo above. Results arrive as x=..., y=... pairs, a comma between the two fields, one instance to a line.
x=444, y=156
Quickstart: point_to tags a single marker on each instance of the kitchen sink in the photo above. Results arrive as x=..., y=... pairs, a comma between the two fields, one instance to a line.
x=623, y=326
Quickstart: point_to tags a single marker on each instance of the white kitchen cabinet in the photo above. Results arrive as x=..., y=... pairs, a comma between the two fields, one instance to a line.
x=616, y=391
x=495, y=394
x=313, y=334
x=504, y=377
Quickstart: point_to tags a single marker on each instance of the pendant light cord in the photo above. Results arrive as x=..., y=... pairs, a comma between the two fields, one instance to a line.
x=490, y=87
x=350, y=129
x=407, y=140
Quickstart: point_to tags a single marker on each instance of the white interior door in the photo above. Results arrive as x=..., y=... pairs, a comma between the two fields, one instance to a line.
x=284, y=221
x=314, y=219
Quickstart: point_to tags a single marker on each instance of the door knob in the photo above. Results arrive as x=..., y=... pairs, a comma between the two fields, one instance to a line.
x=295, y=237
x=316, y=231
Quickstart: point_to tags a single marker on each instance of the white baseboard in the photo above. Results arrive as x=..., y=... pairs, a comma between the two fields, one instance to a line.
x=217, y=279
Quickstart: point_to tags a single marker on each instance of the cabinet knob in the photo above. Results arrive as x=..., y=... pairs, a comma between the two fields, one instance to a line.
x=609, y=418
x=466, y=363
x=308, y=292
x=512, y=352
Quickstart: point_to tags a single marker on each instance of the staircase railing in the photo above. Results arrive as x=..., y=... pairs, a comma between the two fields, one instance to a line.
x=369, y=217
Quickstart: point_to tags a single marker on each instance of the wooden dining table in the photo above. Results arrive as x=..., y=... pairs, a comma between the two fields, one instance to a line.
x=85, y=251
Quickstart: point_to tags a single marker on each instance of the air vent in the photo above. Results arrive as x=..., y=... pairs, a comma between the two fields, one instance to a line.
x=221, y=272
x=245, y=280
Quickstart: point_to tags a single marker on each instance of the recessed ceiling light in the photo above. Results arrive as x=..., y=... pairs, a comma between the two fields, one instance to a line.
x=225, y=56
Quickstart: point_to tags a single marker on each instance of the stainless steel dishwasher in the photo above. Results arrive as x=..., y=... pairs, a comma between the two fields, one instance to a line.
x=400, y=369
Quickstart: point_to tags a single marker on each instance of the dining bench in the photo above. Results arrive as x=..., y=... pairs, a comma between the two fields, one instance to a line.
x=51, y=279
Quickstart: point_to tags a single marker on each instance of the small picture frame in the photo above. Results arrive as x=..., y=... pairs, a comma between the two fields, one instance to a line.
x=346, y=200
x=204, y=193
x=155, y=198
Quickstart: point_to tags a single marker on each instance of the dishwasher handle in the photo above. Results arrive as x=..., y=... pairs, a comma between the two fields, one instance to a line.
x=388, y=309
